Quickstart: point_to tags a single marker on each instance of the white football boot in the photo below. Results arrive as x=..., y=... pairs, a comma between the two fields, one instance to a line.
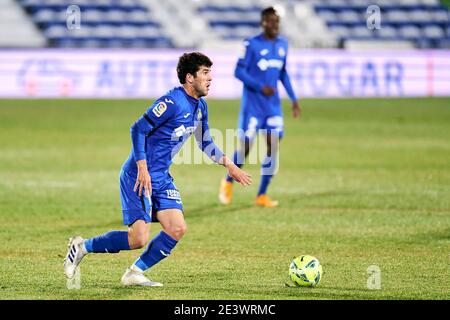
x=133, y=277
x=74, y=256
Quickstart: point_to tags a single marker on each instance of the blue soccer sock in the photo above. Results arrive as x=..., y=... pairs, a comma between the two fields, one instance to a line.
x=158, y=249
x=110, y=242
x=238, y=160
x=268, y=169
x=265, y=180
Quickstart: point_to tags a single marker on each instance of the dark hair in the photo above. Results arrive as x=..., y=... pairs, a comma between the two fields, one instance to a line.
x=191, y=63
x=268, y=11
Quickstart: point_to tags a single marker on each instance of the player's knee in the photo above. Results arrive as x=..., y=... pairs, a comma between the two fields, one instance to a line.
x=180, y=231
x=177, y=231
x=138, y=235
x=138, y=241
x=141, y=242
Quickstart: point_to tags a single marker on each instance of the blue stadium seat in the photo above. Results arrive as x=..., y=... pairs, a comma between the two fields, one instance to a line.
x=443, y=43
x=112, y=23
x=104, y=23
x=232, y=22
x=425, y=22
x=433, y=32
x=410, y=32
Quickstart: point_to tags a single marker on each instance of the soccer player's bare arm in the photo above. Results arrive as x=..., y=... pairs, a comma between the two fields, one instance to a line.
x=235, y=172
x=207, y=145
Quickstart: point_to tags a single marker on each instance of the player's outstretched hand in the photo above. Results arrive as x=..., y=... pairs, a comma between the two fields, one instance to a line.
x=239, y=175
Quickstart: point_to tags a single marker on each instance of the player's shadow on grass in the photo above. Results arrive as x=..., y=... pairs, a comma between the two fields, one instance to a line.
x=323, y=292
x=83, y=228
x=323, y=194
x=284, y=293
x=216, y=209
x=299, y=197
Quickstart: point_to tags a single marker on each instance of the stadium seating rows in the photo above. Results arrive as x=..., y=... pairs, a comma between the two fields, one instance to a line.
x=232, y=22
x=423, y=22
x=131, y=23
x=105, y=23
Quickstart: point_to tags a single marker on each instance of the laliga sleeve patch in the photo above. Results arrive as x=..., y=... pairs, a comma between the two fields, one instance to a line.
x=243, y=50
x=159, y=109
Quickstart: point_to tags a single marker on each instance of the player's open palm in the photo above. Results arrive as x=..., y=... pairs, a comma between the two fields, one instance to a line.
x=240, y=175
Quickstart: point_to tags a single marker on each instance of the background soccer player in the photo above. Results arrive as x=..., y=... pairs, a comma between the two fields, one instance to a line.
x=145, y=182
x=260, y=68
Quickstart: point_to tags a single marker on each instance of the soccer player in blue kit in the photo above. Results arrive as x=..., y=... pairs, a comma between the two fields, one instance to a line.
x=259, y=68
x=147, y=191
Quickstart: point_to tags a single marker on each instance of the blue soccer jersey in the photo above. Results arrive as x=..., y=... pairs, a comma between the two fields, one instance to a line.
x=157, y=136
x=262, y=63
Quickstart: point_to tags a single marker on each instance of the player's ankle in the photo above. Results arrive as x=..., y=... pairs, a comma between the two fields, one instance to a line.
x=83, y=248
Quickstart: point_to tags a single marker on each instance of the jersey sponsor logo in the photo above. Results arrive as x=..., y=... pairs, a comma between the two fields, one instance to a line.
x=264, y=64
x=281, y=52
x=263, y=52
x=181, y=131
x=159, y=109
x=173, y=194
x=178, y=132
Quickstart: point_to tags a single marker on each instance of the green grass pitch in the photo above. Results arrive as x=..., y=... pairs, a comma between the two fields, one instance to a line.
x=362, y=182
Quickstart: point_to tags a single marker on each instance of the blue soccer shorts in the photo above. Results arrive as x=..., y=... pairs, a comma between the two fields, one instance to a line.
x=135, y=207
x=250, y=125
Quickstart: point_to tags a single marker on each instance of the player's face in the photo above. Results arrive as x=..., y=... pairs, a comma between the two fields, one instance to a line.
x=271, y=25
x=202, y=81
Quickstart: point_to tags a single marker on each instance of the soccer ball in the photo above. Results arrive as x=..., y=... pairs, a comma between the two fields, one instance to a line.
x=305, y=271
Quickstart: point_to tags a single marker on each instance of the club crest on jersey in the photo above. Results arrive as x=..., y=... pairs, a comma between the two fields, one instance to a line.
x=199, y=115
x=159, y=109
x=281, y=52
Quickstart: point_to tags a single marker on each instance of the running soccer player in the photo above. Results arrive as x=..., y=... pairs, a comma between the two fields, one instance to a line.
x=260, y=68
x=145, y=182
